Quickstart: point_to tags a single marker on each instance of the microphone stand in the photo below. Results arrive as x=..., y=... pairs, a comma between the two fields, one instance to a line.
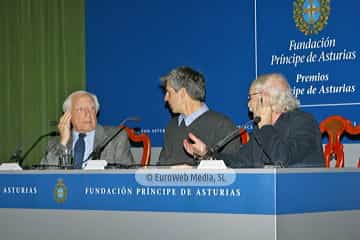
x=16, y=154
x=98, y=150
x=223, y=142
x=209, y=161
x=22, y=158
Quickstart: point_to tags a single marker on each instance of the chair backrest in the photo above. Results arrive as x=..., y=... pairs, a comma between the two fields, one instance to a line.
x=335, y=127
x=140, y=138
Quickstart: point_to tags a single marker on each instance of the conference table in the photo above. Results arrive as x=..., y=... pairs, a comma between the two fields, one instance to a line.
x=160, y=203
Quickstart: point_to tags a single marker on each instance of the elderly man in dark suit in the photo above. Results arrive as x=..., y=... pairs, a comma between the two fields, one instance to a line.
x=80, y=133
x=285, y=135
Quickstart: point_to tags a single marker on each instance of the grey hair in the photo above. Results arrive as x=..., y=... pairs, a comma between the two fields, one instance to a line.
x=68, y=101
x=188, y=78
x=281, y=98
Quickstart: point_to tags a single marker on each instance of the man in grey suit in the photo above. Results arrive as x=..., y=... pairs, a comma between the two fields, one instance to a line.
x=80, y=134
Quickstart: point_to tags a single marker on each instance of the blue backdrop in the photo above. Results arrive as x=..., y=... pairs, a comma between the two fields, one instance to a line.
x=130, y=44
x=326, y=80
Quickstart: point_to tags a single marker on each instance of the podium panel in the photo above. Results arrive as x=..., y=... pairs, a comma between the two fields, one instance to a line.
x=160, y=203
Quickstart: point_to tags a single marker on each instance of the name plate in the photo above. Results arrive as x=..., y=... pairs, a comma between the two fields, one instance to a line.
x=10, y=167
x=95, y=165
x=212, y=164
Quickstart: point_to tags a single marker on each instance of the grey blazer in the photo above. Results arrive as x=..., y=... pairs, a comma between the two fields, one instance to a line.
x=117, y=151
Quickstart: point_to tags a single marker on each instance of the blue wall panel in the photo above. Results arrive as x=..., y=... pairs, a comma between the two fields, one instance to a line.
x=130, y=44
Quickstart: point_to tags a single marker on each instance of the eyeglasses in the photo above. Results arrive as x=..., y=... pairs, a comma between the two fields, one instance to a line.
x=84, y=109
x=253, y=94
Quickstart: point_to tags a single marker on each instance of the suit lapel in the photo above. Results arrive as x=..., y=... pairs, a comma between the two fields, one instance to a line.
x=99, y=135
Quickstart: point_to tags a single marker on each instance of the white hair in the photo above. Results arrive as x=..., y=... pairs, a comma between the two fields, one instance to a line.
x=68, y=101
x=281, y=98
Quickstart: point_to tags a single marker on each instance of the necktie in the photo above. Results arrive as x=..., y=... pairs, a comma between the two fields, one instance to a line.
x=79, y=150
x=182, y=124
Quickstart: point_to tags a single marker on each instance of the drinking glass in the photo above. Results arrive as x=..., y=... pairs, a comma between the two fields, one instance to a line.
x=66, y=158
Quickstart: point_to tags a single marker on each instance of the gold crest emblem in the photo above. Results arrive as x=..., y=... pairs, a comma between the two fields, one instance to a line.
x=311, y=16
x=60, y=191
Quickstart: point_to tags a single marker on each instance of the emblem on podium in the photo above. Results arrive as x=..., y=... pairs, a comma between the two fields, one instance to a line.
x=60, y=191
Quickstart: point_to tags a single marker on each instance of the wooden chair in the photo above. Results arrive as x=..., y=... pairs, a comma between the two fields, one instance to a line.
x=140, y=138
x=335, y=127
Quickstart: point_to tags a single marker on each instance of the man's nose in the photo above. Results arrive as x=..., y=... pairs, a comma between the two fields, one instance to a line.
x=87, y=112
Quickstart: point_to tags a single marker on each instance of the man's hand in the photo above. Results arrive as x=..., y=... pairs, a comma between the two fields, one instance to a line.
x=196, y=147
x=64, y=128
x=263, y=110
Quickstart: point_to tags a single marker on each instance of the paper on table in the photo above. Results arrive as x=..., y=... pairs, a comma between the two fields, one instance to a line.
x=10, y=166
x=95, y=164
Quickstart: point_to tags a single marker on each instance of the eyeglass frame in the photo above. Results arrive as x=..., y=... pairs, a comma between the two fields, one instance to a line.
x=253, y=94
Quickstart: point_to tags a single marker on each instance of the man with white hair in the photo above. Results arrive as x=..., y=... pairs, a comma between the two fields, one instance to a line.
x=285, y=135
x=80, y=133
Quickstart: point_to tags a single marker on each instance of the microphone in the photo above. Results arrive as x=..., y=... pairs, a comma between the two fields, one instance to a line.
x=228, y=138
x=95, y=154
x=16, y=154
x=20, y=159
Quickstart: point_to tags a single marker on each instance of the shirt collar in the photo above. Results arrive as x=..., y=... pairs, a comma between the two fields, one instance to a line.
x=75, y=134
x=192, y=117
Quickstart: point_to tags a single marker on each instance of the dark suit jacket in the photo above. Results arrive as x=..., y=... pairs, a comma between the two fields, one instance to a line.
x=117, y=151
x=293, y=141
